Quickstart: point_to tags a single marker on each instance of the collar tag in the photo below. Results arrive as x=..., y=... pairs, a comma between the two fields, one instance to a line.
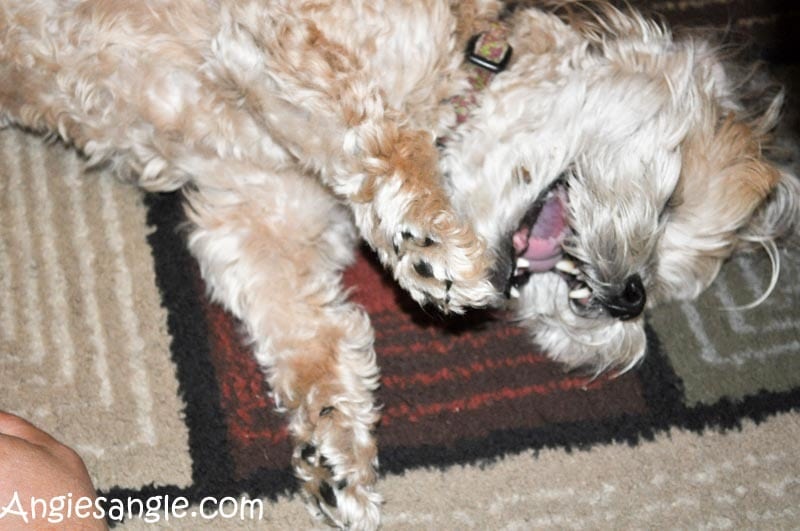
x=490, y=50
x=487, y=54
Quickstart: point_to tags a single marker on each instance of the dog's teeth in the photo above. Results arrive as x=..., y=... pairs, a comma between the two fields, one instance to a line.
x=580, y=293
x=514, y=293
x=567, y=266
x=522, y=263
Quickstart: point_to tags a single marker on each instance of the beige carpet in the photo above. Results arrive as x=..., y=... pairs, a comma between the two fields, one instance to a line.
x=740, y=480
x=84, y=348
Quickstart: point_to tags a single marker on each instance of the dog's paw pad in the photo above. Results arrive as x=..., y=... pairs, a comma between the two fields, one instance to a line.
x=427, y=274
x=308, y=453
x=443, y=265
x=419, y=241
x=336, y=467
x=327, y=494
x=406, y=241
x=338, y=502
x=424, y=269
x=330, y=494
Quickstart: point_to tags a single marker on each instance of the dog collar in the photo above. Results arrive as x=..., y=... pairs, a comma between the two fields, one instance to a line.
x=487, y=54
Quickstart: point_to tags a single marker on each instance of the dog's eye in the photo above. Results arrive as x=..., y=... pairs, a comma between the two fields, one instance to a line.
x=672, y=203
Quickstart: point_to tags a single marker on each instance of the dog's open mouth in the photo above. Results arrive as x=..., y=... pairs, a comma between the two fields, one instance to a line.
x=539, y=246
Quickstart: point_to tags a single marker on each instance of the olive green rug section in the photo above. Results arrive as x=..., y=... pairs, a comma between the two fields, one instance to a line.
x=721, y=351
x=84, y=351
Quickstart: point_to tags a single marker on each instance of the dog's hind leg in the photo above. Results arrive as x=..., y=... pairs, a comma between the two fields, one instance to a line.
x=273, y=255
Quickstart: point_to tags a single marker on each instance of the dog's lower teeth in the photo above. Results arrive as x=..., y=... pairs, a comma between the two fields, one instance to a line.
x=523, y=263
x=580, y=293
x=514, y=293
x=567, y=266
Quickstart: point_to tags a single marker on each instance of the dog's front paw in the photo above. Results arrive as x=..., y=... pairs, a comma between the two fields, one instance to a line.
x=441, y=261
x=336, y=461
x=404, y=213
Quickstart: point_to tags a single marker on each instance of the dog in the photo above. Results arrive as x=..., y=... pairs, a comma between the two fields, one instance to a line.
x=592, y=168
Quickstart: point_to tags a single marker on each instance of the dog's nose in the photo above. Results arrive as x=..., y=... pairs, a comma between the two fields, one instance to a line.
x=629, y=302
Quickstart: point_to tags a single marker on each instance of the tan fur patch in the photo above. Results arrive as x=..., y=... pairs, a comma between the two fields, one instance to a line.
x=409, y=155
x=313, y=366
x=472, y=17
x=414, y=156
x=725, y=175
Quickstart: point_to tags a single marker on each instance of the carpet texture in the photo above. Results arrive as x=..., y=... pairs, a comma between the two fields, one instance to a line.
x=107, y=341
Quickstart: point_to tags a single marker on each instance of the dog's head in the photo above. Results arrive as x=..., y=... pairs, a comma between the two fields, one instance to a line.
x=610, y=169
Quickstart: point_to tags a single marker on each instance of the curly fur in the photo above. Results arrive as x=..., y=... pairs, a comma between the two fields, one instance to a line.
x=294, y=127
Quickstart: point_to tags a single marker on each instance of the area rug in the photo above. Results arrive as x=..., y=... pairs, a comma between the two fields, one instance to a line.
x=107, y=341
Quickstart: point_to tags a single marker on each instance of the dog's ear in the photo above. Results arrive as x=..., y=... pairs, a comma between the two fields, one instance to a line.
x=724, y=177
x=728, y=193
x=778, y=217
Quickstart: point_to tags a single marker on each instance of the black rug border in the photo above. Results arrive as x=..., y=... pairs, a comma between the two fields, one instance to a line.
x=212, y=466
x=190, y=346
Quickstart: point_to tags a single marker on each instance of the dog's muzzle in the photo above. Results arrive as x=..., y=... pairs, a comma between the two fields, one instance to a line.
x=537, y=246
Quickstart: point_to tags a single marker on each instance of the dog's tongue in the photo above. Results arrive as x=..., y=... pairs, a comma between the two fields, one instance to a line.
x=541, y=244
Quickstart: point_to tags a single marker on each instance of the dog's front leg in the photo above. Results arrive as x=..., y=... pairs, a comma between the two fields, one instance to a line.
x=273, y=254
x=402, y=210
x=387, y=174
x=318, y=97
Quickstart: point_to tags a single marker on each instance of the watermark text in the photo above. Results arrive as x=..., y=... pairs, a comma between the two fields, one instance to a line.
x=152, y=510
